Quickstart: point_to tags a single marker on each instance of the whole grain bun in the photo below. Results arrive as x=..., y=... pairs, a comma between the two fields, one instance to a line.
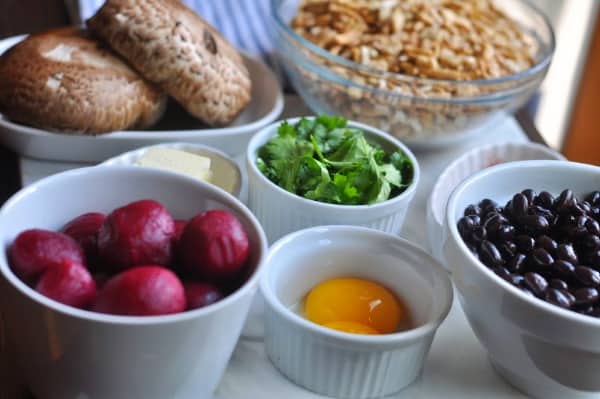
x=64, y=80
x=173, y=47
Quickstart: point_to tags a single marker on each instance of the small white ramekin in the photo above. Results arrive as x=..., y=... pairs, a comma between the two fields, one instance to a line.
x=281, y=212
x=468, y=164
x=340, y=364
x=226, y=172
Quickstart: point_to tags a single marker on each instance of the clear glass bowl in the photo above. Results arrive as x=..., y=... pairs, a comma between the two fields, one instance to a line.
x=335, y=85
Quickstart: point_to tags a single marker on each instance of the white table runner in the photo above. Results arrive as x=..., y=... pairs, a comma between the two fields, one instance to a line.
x=457, y=366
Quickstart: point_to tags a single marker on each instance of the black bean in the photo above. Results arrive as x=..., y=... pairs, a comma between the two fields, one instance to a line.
x=569, y=296
x=564, y=201
x=539, y=210
x=592, y=226
x=516, y=264
x=487, y=205
x=558, y=298
x=586, y=296
x=590, y=242
x=564, y=220
x=562, y=268
x=478, y=234
x=507, y=249
x=594, y=259
x=587, y=207
x=575, y=233
x=541, y=258
x=489, y=254
x=524, y=243
x=566, y=252
x=517, y=280
x=495, y=218
x=559, y=284
x=529, y=194
x=587, y=276
x=580, y=221
x=593, y=198
x=577, y=210
x=505, y=233
x=465, y=227
x=534, y=224
x=472, y=210
x=546, y=243
x=544, y=199
x=536, y=283
x=503, y=273
x=520, y=203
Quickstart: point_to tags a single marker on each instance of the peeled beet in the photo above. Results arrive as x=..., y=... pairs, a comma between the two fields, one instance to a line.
x=199, y=295
x=214, y=245
x=142, y=291
x=34, y=251
x=179, y=226
x=139, y=233
x=68, y=282
x=84, y=229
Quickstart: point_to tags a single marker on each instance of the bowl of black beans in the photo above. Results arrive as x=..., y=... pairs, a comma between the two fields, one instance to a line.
x=522, y=241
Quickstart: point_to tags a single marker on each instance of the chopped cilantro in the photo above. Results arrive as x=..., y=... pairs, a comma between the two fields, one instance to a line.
x=325, y=160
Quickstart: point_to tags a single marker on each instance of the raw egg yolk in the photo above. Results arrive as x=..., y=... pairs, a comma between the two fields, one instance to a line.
x=355, y=300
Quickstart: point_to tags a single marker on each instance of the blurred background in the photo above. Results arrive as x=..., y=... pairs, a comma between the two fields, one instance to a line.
x=564, y=111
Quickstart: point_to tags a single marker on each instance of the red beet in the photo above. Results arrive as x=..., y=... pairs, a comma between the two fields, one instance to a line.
x=199, y=295
x=68, y=282
x=100, y=279
x=84, y=229
x=213, y=246
x=142, y=291
x=139, y=233
x=179, y=226
x=36, y=250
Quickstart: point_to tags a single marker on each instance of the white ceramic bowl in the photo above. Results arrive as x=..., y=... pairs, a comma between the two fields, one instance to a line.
x=64, y=352
x=281, y=212
x=226, y=173
x=468, y=164
x=543, y=350
x=335, y=363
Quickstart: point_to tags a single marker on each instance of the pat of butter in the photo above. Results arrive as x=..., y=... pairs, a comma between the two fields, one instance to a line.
x=177, y=161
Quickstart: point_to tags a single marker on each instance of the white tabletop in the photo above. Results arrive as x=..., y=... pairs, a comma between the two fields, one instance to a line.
x=457, y=366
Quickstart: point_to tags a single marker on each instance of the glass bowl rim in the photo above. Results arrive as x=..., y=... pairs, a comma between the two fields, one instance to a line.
x=542, y=64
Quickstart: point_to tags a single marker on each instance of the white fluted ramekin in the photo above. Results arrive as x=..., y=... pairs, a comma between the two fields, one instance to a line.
x=281, y=212
x=335, y=363
x=467, y=165
x=226, y=172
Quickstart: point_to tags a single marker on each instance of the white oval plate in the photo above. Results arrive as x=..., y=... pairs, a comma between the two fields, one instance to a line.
x=176, y=125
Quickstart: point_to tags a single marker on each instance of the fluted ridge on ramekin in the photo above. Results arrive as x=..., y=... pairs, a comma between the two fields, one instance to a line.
x=278, y=219
x=327, y=368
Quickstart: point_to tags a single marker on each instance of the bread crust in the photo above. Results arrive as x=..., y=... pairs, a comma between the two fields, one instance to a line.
x=173, y=47
x=64, y=80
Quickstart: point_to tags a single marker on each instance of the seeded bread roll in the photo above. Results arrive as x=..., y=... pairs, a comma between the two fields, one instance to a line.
x=64, y=80
x=173, y=47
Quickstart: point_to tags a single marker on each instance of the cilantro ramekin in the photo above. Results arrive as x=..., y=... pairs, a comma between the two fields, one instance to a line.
x=281, y=212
